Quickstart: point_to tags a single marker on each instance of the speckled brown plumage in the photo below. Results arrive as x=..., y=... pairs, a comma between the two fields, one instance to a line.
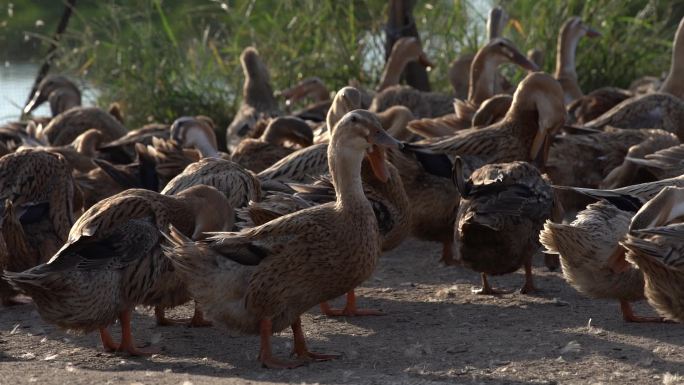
x=259, y=154
x=269, y=275
x=65, y=127
x=656, y=110
x=112, y=260
x=503, y=207
x=654, y=244
x=237, y=184
x=585, y=160
x=585, y=247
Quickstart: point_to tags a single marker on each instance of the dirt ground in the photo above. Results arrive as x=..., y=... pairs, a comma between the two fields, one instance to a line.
x=435, y=332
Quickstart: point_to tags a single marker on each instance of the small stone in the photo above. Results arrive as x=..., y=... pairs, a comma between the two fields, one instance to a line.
x=50, y=357
x=27, y=356
x=571, y=347
x=559, y=302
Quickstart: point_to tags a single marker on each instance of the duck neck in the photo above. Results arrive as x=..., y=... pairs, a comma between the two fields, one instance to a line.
x=674, y=83
x=345, y=169
x=391, y=75
x=482, y=78
x=198, y=139
x=258, y=92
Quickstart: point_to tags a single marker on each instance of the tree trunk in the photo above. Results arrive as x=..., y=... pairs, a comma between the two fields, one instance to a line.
x=400, y=23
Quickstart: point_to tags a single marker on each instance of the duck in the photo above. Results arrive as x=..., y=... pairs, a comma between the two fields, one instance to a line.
x=301, y=165
x=459, y=69
x=258, y=100
x=196, y=133
x=663, y=109
x=60, y=92
x=570, y=34
x=492, y=110
x=587, y=160
x=536, y=113
x=122, y=150
x=68, y=125
x=654, y=245
x=503, y=207
x=258, y=154
x=665, y=163
x=636, y=169
x=112, y=261
x=387, y=197
x=586, y=248
x=313, y=88
x=80, y=153
x=40, y=199
x=261, y=280
x=483, y=76
x=404, y=51
x=596, y=103
x=239, y=185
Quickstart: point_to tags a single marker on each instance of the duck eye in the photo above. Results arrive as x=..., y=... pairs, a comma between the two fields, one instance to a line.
x=354, y=119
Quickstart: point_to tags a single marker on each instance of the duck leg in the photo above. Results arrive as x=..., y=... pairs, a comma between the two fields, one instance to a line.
x=107, y=341
x=447, y=253
x=629, y=316
x=528, y=287
x=488, y=290
x=198, y=320
x=350, y=309
x=127, y=343
x=300, y=349
x=265, y=355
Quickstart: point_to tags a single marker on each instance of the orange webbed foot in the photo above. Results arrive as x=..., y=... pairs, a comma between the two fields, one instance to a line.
x=349, y=310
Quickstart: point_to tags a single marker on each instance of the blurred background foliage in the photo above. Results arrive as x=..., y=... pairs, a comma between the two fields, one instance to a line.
x=165, y=58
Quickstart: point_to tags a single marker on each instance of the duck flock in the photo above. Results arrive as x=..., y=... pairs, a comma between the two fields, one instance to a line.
x=96, y=219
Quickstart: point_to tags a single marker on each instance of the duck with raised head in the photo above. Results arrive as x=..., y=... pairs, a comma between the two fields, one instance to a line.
x=483, y=76
x=301, y=165
x=59, y=91
x=259, y=154
x=537, y=112
x=40, y=190
x=566, y=72
x=258, y=101
x=459, y=69
x=262, y=279
x=387, y=197
x=196, y=133
x=654, y=244
x=663, y=109
x=503, y=207
x=112, y=260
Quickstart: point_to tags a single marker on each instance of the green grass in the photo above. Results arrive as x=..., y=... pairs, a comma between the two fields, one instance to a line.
x=162, y=59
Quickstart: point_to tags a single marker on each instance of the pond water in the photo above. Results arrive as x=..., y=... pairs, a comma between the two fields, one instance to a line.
x=16, y=81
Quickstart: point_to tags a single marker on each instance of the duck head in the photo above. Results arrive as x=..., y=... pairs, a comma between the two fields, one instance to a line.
x=345, y=100
x=212, y=210
x=404, y=51
x=496, y=22
x=196, y=132
x=61, y=92
x=539, y=97
x=288, y=128
x=360, y=132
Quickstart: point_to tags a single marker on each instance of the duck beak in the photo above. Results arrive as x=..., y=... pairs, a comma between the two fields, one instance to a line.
x=593, y=33
x=538, y=143
x=524, y=62
x=294, y=93
x=37, y=100
x=423, y=60
x=376, y=154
